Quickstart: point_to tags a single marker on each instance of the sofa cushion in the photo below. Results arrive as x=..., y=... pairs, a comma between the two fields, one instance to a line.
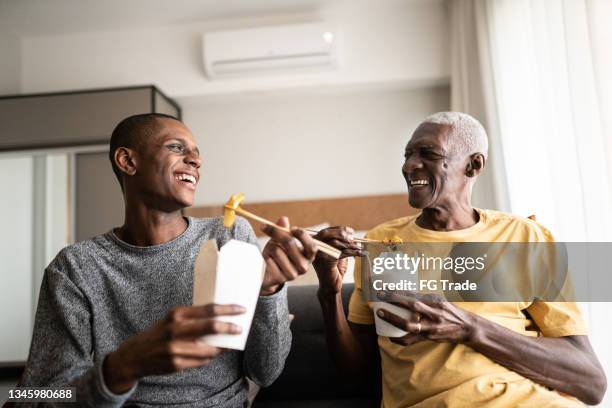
x=309, y=372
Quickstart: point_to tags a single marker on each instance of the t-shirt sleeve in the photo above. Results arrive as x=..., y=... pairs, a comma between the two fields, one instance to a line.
x=557, y=319
x=359, y=311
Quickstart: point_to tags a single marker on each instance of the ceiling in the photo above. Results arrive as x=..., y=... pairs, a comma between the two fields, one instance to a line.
x=47, y=17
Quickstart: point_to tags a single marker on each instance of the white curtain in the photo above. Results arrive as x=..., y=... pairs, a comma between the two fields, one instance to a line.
x=539, y=75
x=550, y=121
x=472, y=92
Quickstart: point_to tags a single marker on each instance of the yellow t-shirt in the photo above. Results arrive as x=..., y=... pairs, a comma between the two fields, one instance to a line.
x=430, y=374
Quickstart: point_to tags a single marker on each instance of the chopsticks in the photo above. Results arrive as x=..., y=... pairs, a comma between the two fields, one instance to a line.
x=321, y=246
x=232, y=207
x=363, y=240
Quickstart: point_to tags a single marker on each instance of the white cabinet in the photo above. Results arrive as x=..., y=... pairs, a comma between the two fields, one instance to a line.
x=16, y=292
x=34, y=219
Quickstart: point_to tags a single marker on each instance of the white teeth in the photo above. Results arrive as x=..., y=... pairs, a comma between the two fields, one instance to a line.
x=187, y=177
x=419, y=182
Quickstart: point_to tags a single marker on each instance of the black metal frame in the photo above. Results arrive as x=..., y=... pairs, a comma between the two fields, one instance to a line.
x=154, y=90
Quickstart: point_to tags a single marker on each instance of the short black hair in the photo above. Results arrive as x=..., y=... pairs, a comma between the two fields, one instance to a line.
x=132, y=132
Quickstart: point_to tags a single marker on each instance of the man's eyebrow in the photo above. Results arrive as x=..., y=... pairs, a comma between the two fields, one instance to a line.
x=434, y=148
x=419, y=146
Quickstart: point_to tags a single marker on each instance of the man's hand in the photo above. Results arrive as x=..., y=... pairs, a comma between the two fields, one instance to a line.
x=331, y=271
x=169, y=346
x=287, y=256
x=432, y=318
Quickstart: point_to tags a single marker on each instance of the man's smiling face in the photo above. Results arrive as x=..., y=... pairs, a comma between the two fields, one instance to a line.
x=168, y=166
x=434, y=173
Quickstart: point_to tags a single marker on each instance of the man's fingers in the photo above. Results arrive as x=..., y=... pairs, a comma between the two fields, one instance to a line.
x=431, y=299
x=417, y=307
x=292, y=249
x=214, y=309
x=408, y=293
x=334, y=236
x=345, y=233
x=410, y=303
x=273, y=276
x=201, y=312
x=347, y=249
x=193, y=350
x=338, y=237
x=410, y=325
x=323, y=258
x=309, y=248
x=276, y=233
x=344, y=245
x=350, y=253
x=283, y=222
x=408, y=339
x=194, y=328
x=393, y=319
x=297, y=245
x=287, y=269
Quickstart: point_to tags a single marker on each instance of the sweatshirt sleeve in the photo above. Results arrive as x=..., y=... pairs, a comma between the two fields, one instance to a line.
x=243, y=231
x=269, y=341
x=61, y=349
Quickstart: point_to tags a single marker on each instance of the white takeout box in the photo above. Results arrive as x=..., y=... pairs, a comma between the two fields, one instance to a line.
x=384, y=328
x=232, y=275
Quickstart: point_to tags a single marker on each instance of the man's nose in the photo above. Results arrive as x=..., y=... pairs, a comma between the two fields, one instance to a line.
x=193, y=159
x=412, y=163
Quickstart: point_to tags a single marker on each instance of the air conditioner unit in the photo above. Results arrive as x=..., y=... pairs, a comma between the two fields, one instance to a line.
x=264, y=49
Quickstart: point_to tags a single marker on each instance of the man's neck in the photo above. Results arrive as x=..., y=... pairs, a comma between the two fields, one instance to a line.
x=448, y=218
x=146, y=227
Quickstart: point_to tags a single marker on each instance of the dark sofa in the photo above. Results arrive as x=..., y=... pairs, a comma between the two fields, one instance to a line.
x=310, y=378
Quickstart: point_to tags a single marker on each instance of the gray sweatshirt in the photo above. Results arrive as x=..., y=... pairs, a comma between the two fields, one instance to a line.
x=97, y=293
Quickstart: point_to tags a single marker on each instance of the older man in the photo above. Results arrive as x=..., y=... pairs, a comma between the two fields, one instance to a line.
x=114, y=318
x=469, y=354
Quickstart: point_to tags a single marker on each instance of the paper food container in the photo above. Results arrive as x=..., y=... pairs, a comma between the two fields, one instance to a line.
x=232, y=275
x=384, y=328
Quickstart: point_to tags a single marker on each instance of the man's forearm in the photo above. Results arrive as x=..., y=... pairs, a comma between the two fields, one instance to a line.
x=118, y=375
x=343, y=346
x=269, y=340
x=559, y=363
x=90, y=390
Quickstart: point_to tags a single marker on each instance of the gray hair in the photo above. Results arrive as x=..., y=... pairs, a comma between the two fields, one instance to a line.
x=468, y=135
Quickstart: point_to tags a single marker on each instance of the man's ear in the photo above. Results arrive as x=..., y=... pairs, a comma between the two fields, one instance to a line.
x=125, y=159
x=475, y=165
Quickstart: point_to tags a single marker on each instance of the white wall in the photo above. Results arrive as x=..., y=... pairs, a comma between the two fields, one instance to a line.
x=381, y=42
x=293, y=146
x=390, y=44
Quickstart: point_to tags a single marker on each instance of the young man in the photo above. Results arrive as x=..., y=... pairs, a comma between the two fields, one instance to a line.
x=468, y=354
x=114, y=318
